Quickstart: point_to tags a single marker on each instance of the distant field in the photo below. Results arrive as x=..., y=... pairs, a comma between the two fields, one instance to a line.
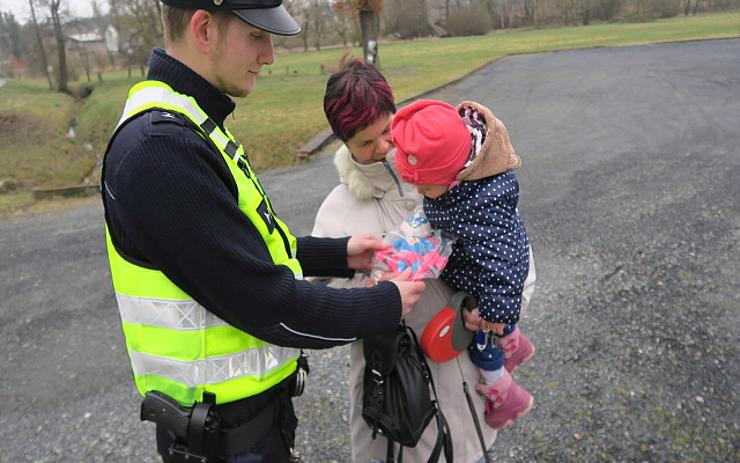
x=286, y=109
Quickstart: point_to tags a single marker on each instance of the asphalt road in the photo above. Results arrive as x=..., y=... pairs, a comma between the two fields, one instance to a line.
x=630, y=191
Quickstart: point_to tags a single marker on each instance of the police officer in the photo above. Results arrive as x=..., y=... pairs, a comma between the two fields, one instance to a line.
x=208, y=279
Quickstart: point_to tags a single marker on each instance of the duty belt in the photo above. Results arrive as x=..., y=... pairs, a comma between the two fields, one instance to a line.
x=197, y=430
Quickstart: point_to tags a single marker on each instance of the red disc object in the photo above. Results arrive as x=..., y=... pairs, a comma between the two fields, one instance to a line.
x=445, y=336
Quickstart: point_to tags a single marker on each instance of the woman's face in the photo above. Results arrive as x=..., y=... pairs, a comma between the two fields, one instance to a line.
x=372, y=143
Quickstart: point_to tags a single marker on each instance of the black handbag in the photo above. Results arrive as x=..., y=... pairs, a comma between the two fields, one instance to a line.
x=399, y=399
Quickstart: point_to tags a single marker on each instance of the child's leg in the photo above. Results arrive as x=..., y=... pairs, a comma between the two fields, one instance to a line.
x=489, y=360
x=517, y=348
x=506, y=400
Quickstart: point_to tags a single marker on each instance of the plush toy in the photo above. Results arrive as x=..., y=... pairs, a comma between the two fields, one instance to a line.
x=416, y=225
x=414, y=246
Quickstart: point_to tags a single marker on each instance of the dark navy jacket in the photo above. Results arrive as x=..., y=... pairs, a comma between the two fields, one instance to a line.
x=171, y=203
x=490, y=258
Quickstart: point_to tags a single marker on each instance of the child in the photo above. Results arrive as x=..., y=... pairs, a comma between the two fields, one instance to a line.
x=461, y=160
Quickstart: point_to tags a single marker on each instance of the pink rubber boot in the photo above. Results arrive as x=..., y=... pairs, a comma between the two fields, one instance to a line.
x=507, y=401
x=517, y=349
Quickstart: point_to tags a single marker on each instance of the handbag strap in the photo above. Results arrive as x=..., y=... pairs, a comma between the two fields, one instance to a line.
x=389, y=458
x=444, y=441
x=444, y=437
x=478, y=430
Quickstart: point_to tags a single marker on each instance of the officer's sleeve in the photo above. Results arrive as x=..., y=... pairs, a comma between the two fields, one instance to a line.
x=324, y=257
x=175, y=202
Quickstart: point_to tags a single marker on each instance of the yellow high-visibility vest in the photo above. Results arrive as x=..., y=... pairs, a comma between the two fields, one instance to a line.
x=176, y=345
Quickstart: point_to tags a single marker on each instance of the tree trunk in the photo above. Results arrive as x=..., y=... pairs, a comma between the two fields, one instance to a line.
x=62, y=86
x=44, y=62
x=369, y=29
x=317, y=26
x=586, y=15
x=304, y=34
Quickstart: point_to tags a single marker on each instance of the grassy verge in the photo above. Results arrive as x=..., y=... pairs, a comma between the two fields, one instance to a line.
x=286, y=109
x=34, y=148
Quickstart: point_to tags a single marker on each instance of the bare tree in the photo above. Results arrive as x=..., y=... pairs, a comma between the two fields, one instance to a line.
x=345, y=20
x=317, y=19
x=138, y=22
x=301, y=12
x=506, y=13
x=42, y=52
x=62, y=82
x=10, y=30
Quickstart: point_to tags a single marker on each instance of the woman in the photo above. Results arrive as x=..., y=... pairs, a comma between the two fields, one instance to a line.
x=371, y=198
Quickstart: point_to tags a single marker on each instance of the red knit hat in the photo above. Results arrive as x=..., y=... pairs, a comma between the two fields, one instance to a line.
x=432, y=142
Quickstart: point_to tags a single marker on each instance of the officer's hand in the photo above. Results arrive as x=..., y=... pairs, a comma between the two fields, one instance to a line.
x=410, y=291
x=360, y=250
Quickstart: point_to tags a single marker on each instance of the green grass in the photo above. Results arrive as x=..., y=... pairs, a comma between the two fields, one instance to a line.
x=285, y=111
x=34, y=148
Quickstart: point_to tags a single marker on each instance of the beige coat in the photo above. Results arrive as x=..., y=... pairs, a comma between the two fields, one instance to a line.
x=373, y=199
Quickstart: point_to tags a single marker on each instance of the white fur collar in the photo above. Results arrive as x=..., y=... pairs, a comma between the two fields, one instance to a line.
x=366, y=181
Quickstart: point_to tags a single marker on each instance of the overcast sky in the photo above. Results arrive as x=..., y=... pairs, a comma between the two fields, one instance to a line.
x=22, y=11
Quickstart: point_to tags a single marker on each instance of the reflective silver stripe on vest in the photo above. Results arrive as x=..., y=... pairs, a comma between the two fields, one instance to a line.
x=255, y=362
x=145, y=96
x=175, y=315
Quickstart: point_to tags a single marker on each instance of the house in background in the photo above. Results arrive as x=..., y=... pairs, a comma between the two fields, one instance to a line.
x=90, y=47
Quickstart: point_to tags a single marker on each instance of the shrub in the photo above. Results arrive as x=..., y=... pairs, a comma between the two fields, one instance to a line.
x=665, y=8
x=471, y=20
x=406, y=19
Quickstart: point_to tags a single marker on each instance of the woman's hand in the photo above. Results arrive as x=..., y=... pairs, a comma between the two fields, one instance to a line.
x=497, y=328
x=474, y=322
x=360, y=250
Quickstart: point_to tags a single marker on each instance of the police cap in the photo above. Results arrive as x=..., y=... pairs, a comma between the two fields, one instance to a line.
x=268, y=15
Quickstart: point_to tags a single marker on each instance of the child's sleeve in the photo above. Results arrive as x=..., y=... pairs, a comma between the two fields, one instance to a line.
x=491, y=234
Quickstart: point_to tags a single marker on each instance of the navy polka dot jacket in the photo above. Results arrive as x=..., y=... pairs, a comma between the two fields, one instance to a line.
x=490, y=258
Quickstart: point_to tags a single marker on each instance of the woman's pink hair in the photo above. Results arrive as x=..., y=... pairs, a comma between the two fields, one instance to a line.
x=356, y=96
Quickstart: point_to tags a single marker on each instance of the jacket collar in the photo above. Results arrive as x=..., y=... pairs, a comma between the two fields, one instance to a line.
x=368, y=181
x=182, y=79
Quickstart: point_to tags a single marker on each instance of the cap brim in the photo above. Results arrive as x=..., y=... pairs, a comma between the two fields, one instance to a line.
x=274, y=20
